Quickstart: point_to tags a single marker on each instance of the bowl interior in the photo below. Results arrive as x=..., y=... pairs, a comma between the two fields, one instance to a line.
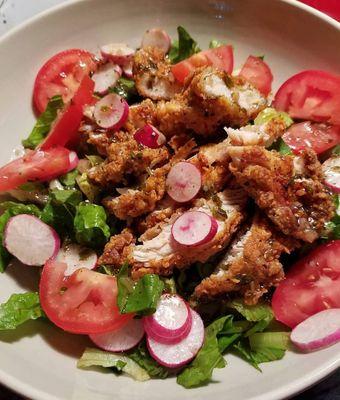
x=39, y=360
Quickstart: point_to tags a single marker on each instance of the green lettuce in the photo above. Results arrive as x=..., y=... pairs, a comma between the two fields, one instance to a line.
x=184, y=47
x=126, y=88
x=270, y=113
x=10, y=209
x=121, y=363
x=18, y=309
x=215, y=43
x=90, y=190
x=69, y=180
x=332, y=228
x=141, y=297
x=44, y=122
x=90, y=225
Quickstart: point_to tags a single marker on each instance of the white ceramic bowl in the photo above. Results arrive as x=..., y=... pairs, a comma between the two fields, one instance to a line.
x=38, y=360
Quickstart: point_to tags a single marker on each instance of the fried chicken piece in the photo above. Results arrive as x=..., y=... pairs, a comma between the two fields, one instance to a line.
x=251, y=264
x=159, y=254
x=125, y=157
x=136, y=202
x=141, y=114
x=210, y=100
x=287, y=188
x=153, y=76
x=116, y=251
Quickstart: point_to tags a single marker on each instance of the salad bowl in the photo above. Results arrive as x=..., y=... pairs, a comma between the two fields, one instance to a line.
x=39, y=360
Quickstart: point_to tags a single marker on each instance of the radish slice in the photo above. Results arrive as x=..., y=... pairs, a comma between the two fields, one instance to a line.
x=194, y=228
x=118, y=53
x=127, y=69
x=74, y=160
x=105, y=77
x=183, y=182
x=30, y=240
x=120, y=340
x=156, y=37
x=331, y=170
x=149, y=136
x=171, y=322
x=111, y=112
x=176, y=355
x=76, y=257
x=318, y=331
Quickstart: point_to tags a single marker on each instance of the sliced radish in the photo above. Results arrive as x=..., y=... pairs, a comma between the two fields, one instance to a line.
x=331, y=170
x=194, y=228
x=318, y=331
x=105, y=77
x=111, y=112
x=120, y=340
x=118, y=53
x=171, y=322
x=76, y=257
x=176, y=355
x=183, y=182
x=74, y=160
x=30, y=240
x=149, y=136
x=156, y=37
x=127, y=69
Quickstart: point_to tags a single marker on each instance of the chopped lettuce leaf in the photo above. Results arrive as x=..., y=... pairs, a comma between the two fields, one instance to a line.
x=269, y=113
x=215, y=43
x=254, y=313
x=184, y=47
x=69, y=179
x=281, y=147
x=169, y=285
x=95, y=357
x=90, y=190
x=67, y=197
x=141, y=356
x=90, y=225
x=336, y=150
x=200, y=370
x=94, y=160
x=332, y=228
x=273, y=340
x=10, y=209
x=141, y=297
x=18, y=309
x=126, y=88
x=44, y=122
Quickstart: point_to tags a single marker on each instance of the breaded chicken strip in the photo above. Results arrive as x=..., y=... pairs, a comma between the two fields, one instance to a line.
x=117, y=249
x=153, y=76
x=125, y=157
x=251, y=264
x=287, y=188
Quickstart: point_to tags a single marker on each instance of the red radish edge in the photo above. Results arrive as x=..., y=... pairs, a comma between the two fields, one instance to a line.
x=118, y=53
x=127, y=70
x=120, y=340
x=76, y=257
x=149, y=136
x=171, y=310
x=179, y=354
x=111, y=112
x=331, y=171
x=318, y=331
x=74, y=161
x=183, y=182
x=105, y=77
x=30, y=240
x=194, y=228
x=156, y=37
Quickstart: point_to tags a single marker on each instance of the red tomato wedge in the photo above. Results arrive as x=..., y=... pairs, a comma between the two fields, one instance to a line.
x=311, y=95
x=84, y=303
x=319, y=137
x=35, y=166
x=61, y=74
x=311, y=285
x=64, y=130
x=221, y=58
x=258, y=73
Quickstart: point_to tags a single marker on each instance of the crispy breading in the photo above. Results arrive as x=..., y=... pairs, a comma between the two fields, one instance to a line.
x=117, y=250
x=250, y=265
x=152, y=74
x=299, y=205
x=141, y=114
x=158, y=252
x=125, y=157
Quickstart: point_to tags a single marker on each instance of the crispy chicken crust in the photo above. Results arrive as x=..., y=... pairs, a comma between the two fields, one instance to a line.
x=296, y=201
x=251, y=264
x=117, y=250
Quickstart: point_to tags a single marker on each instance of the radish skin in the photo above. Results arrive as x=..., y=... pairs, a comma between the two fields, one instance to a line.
x=111, y=112
x=150, y=136
x=105, y=77
x=76, y=257
x=30, y=240
x=318, y=331
x=331, y=171
x=118, y=53
x=156, y=37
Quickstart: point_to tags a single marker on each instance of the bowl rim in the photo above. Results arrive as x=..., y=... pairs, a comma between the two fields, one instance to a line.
x=284, y=392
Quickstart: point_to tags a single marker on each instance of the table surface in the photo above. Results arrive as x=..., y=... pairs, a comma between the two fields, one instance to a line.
x=12, y=12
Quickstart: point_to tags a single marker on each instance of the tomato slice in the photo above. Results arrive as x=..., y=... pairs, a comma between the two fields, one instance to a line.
x=258, y=73
x=35, y=166
x=311, y=95
x=330, y=7
x=62, y=74
x=65, y=129
x=319, y=137
x=311, y=285
x=221, y=58
x=84, y=303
